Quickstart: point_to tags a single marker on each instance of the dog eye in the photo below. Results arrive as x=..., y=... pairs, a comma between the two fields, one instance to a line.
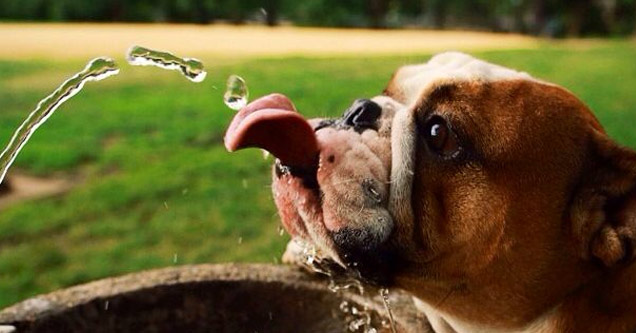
x=439, y=137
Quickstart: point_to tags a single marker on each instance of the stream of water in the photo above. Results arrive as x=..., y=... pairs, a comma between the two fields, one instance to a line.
x=191, y=68
x=97, y=69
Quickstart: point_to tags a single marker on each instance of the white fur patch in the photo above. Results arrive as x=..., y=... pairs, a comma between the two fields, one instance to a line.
x=445, y=323
x=402, y=167
x=449, y=66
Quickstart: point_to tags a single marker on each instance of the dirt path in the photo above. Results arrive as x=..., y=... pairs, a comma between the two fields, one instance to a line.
x=24, y=187
x=88, y=40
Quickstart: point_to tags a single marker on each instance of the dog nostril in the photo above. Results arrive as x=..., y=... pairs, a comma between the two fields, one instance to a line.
x=362, y=114
x=331, y=159
x=370, y=189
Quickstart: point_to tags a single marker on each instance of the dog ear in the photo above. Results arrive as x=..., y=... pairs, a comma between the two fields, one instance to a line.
x=603, y=212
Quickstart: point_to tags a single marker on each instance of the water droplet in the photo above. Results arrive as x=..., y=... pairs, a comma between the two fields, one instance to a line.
x=191, y=68
x=175, y=258
x=184, y=191
x=165, y=204
x=371, y=330
x=240, y=240
x=344, y=306
x=356, y=324
x=97, y=69
x=106, y=305
x=236, y=93
x=244, y=183
x=310, y=259
x=281, y=230
x=266, y=154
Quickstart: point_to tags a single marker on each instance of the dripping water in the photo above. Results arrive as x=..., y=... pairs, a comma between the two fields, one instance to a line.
x=384, y=293
x=97, y=69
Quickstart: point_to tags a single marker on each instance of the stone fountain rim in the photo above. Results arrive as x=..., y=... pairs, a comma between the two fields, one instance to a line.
x=56, y=302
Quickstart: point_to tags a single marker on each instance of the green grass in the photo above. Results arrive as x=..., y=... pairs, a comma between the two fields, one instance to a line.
x=156, y=180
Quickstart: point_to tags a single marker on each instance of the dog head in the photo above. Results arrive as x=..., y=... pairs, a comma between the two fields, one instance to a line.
x=477, y=188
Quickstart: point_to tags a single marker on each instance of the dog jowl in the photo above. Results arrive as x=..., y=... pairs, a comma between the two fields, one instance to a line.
x=496, y=199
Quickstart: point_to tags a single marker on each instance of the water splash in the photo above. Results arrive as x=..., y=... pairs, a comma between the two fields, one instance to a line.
x=384, y=293
x=236, y=93
x=312, y=258
x=191, y=68
x=344, y=284
x=358, y=319
x=97, y=69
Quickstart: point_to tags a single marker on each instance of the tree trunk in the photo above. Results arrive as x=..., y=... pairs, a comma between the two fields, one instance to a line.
x=539, y=17
x=439, y=14
x=576, y=17
x=271, y=12
x=377, y=10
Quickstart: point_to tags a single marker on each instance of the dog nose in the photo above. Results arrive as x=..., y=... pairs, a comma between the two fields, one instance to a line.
x=362, y=114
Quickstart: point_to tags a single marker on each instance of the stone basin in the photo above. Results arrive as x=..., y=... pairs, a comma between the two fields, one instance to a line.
x=207, y=298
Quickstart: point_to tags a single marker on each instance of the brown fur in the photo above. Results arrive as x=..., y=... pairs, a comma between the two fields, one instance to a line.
x=537, y=216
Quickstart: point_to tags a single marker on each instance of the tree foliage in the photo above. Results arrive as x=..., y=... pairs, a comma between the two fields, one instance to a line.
x=541, y=17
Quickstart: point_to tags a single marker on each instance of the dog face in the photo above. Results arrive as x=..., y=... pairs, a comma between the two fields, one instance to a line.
x=486, y=193
x=345, y=212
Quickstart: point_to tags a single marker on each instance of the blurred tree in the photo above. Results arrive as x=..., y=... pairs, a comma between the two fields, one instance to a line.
x=541, y=17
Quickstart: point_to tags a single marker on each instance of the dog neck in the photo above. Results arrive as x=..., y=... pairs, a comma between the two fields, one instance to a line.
x=445, y=323
x=602, y=304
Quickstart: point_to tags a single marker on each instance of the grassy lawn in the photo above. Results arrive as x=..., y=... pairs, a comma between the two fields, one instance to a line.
x=156, y=181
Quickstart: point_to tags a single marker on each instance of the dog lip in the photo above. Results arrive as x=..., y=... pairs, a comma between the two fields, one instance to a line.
x=308, y=174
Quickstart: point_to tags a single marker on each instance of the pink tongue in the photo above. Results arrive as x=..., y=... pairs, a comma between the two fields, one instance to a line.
x=272, y=123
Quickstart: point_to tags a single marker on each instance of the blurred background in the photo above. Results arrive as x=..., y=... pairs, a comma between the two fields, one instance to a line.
x=537, y=17
x=131, y=173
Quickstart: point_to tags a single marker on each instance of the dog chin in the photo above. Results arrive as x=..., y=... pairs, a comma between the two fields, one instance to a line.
x=376, y=269
x=356, y=253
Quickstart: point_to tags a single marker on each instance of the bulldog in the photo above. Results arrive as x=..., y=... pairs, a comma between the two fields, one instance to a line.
x=496, y=199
